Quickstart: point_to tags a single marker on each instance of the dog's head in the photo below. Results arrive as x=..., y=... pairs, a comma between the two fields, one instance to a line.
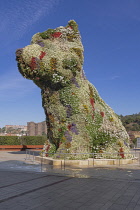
x=53, y=58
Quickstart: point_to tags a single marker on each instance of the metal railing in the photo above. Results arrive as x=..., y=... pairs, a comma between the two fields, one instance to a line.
x=30, y=155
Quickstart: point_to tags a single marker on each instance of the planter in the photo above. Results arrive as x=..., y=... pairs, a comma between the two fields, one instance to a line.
x=84, y=163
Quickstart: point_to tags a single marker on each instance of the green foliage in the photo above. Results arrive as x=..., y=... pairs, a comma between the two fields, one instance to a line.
x=100, y=141
x=52, y=150
x=79, y=52
x=23, y=140
x=33, y=140
x=62, y=130
x=10, y=140
x=71, y=64
x=47, y=34
x=2, y=130
x=93, y=126
x=67, y=98
x=73, y=25
x=135, y=141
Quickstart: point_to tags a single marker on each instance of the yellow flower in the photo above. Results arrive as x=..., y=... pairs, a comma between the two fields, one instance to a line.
x=111, y=119
x=85, y=108
x=63, y=138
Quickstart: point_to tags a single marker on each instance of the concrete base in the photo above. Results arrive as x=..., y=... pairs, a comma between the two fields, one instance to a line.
x=88, y=162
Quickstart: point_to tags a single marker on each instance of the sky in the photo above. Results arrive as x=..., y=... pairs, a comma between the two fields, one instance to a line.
x=110, y=33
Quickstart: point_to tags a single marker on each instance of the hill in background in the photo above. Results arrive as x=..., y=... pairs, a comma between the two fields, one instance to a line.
x=131, y=122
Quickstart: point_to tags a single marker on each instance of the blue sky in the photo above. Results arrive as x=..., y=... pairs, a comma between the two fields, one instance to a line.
x=110, y=33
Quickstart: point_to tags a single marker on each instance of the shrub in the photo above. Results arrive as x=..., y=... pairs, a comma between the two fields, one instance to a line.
x=23, y=140
x=33, y=140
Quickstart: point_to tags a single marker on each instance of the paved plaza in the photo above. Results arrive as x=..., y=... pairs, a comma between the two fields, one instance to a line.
x=24, y=186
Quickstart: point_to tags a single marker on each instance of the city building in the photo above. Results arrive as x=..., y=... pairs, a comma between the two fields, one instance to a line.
x=21, y=127
x=14, y=130
x=36, y=129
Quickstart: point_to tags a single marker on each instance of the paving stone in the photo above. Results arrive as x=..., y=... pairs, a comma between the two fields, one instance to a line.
x=131, y=205
x=107, y=205
x=137, y=207
x=96, y=206
x=117, y=207
x=105, y=189
x=124, y=200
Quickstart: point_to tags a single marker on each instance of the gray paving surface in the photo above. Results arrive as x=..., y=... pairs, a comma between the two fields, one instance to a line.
x=25, y=187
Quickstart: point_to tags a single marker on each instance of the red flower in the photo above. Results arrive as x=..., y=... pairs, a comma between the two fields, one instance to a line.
x=70, y=27
x=37, y=78
x=42, y=55
x=69, y=126
x=102, y=114
x=60, y=143
x=92, y=102
x=47, y=148
x=60, y=130
x=56, y=34
x=93, y=116
x=48, y=124
x=121, y=152
x=33, y=63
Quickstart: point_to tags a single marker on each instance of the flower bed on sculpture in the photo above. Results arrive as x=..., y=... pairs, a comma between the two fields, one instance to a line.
x=78, y=120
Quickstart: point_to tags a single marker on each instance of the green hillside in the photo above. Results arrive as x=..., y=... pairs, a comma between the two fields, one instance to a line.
x=131, y=122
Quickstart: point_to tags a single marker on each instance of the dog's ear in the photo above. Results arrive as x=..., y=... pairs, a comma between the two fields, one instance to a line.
x=72, y=24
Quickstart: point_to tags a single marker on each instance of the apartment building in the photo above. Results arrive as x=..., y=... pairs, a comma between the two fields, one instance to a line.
x=36, y=129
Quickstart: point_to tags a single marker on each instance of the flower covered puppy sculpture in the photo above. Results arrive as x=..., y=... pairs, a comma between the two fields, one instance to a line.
x=78, y=120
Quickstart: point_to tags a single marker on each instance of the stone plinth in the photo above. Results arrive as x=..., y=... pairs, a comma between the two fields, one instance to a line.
x=87, y=162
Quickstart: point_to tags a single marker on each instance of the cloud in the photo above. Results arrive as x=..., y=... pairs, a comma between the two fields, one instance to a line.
x=19, y=16
x=115, y=77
